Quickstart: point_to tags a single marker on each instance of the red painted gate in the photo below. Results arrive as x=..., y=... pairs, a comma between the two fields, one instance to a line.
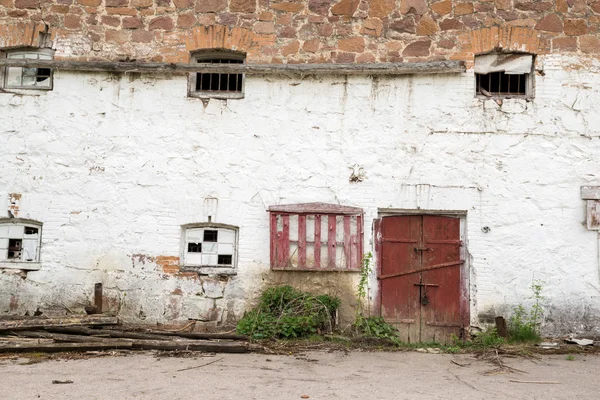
x=421, y=285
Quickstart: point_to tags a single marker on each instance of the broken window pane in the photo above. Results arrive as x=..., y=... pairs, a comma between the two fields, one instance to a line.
x=28, y=78
x=29, y=230
x=14, y=249
x=194, y=247
x=225, y=259
x=210, y=236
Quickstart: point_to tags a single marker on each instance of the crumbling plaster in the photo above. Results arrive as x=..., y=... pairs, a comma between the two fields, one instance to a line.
x=114, y=165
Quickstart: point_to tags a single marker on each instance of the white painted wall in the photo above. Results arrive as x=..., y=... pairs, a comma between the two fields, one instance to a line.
x=114, y=165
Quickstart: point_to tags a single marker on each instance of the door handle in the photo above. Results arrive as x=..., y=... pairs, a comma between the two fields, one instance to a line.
x=422, y=249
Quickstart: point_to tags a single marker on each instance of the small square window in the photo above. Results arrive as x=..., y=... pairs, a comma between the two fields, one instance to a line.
x=504, y=76
x=217, y=85
x=27, y=78
x=19, y=243
x=210, y=248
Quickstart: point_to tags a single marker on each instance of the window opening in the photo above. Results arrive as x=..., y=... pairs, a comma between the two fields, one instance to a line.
x=210, y=246
x=504, y=75
x=19, y=241
x=28, y=78
x=217, y=85
x=14, y=249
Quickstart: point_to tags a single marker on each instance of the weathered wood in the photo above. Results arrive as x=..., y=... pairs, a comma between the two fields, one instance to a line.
x=109, y=333
x=590, y=192
x=201, y=336
x=98, y=297
x=194, y=345
x=434, y=67
x=36, y=323
x=8, y=347
x=501, y=327
x=59, y=337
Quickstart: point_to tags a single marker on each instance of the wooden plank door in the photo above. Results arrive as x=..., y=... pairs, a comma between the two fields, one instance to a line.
x=420, y=276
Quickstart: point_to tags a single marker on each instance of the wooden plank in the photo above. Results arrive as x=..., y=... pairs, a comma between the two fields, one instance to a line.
x=202, y=336
x=331, y=241
x=347, y=251
x=285, y=242
x=98, y=297
x=109, y=333
x=590, y=192
x=302, y=241
x=60, y=337
x=593, y=215
x=360, y=233
x=194, y=345
x=7, y=347
x=317, y=243
x=273, y=237
x=35, y=323
x=418, y=68
x=501, y=327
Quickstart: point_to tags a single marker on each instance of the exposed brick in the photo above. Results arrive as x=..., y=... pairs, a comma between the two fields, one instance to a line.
x=413, y=7
x=206, y=19
x=117, y=3
x=264, y=27
x=427, y=26
x=564, y=44
x=352, y=45
x=27, y=4
x=589, y=44
x=529, y=22
x=290, y=49
x=211, y=5
x=132, y=23
x=186, y=20
x=345, y=7
x=117, y=36
x=140, y=36
x=446, y=44
x=89, y=3
x=121, y=11
x=163, y=23
x=311, y=46
x=110, y=20
x=320, y=7
x=168, y=264
x=417, y=49
x=227, y=19
x=381, y=8
x=550, y=23
x=58, y=9
x=372, y=27
x=463, y=9
x=142, y=3
x=575, y=27
x=17, y=13
x=442, y=7
x=451, y=24
x=534, y=5
x=183, y=3
x=266, y=16
x=72, y=21
x=242, y=6
x=366, y=58
x=288, y=7
x=343, y=58
x=404, y=25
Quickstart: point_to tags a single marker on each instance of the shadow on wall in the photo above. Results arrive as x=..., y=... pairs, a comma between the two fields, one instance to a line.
x=340, y=284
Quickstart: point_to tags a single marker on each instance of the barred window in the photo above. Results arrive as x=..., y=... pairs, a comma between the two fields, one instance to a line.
x=504, y=75
x=217, y=85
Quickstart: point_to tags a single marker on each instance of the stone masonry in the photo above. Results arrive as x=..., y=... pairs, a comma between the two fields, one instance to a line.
x=301, y=31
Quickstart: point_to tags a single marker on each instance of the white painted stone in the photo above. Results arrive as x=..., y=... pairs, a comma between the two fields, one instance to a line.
x=114, y=166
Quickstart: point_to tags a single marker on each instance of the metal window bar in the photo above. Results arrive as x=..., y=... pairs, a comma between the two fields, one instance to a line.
x=217, y=82
x=502, y=84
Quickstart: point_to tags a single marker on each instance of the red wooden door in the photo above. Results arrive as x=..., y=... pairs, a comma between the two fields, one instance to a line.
x=420, y=276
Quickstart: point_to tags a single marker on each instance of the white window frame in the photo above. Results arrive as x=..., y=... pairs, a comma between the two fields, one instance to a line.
x=197, y=57
x=47, y=53
x=189, y=231
x=14, y=228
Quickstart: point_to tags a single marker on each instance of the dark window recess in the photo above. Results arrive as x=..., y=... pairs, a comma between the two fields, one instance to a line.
x=41, y=74
x=210, y=236
x=502, y=84
x=14, y=248
x=31, y=230
x=219, y=82
x=225, y=259
x=194, y=247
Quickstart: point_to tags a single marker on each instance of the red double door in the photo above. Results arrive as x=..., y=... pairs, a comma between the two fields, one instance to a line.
x=421, y=287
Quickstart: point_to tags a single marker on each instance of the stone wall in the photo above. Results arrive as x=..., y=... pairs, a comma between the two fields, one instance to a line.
x=297, y=31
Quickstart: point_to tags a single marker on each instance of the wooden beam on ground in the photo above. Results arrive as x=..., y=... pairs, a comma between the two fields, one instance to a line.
x=77, y=330
x=37, y=323
x=13, y=347
x=201, y=336
x=194, y=345
x=379, y=69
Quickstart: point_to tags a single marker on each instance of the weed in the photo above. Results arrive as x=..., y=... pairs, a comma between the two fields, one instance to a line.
x=570, y=357
x=284, y=312
x=525, y=326
x=488, y=339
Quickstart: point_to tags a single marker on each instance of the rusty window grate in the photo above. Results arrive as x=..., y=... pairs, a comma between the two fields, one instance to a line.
x=217, y=85
x=316, y=237
x=501, y=84
x=219, y=82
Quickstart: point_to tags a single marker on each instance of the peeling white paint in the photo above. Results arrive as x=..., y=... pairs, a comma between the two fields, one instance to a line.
x=113, y=166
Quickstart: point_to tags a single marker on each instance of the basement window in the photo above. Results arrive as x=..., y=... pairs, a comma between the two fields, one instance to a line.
x=504, y=76
x=19, y=243
x=210, y=248
x=27, y=78
x=219, y=85
x=316, y=237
